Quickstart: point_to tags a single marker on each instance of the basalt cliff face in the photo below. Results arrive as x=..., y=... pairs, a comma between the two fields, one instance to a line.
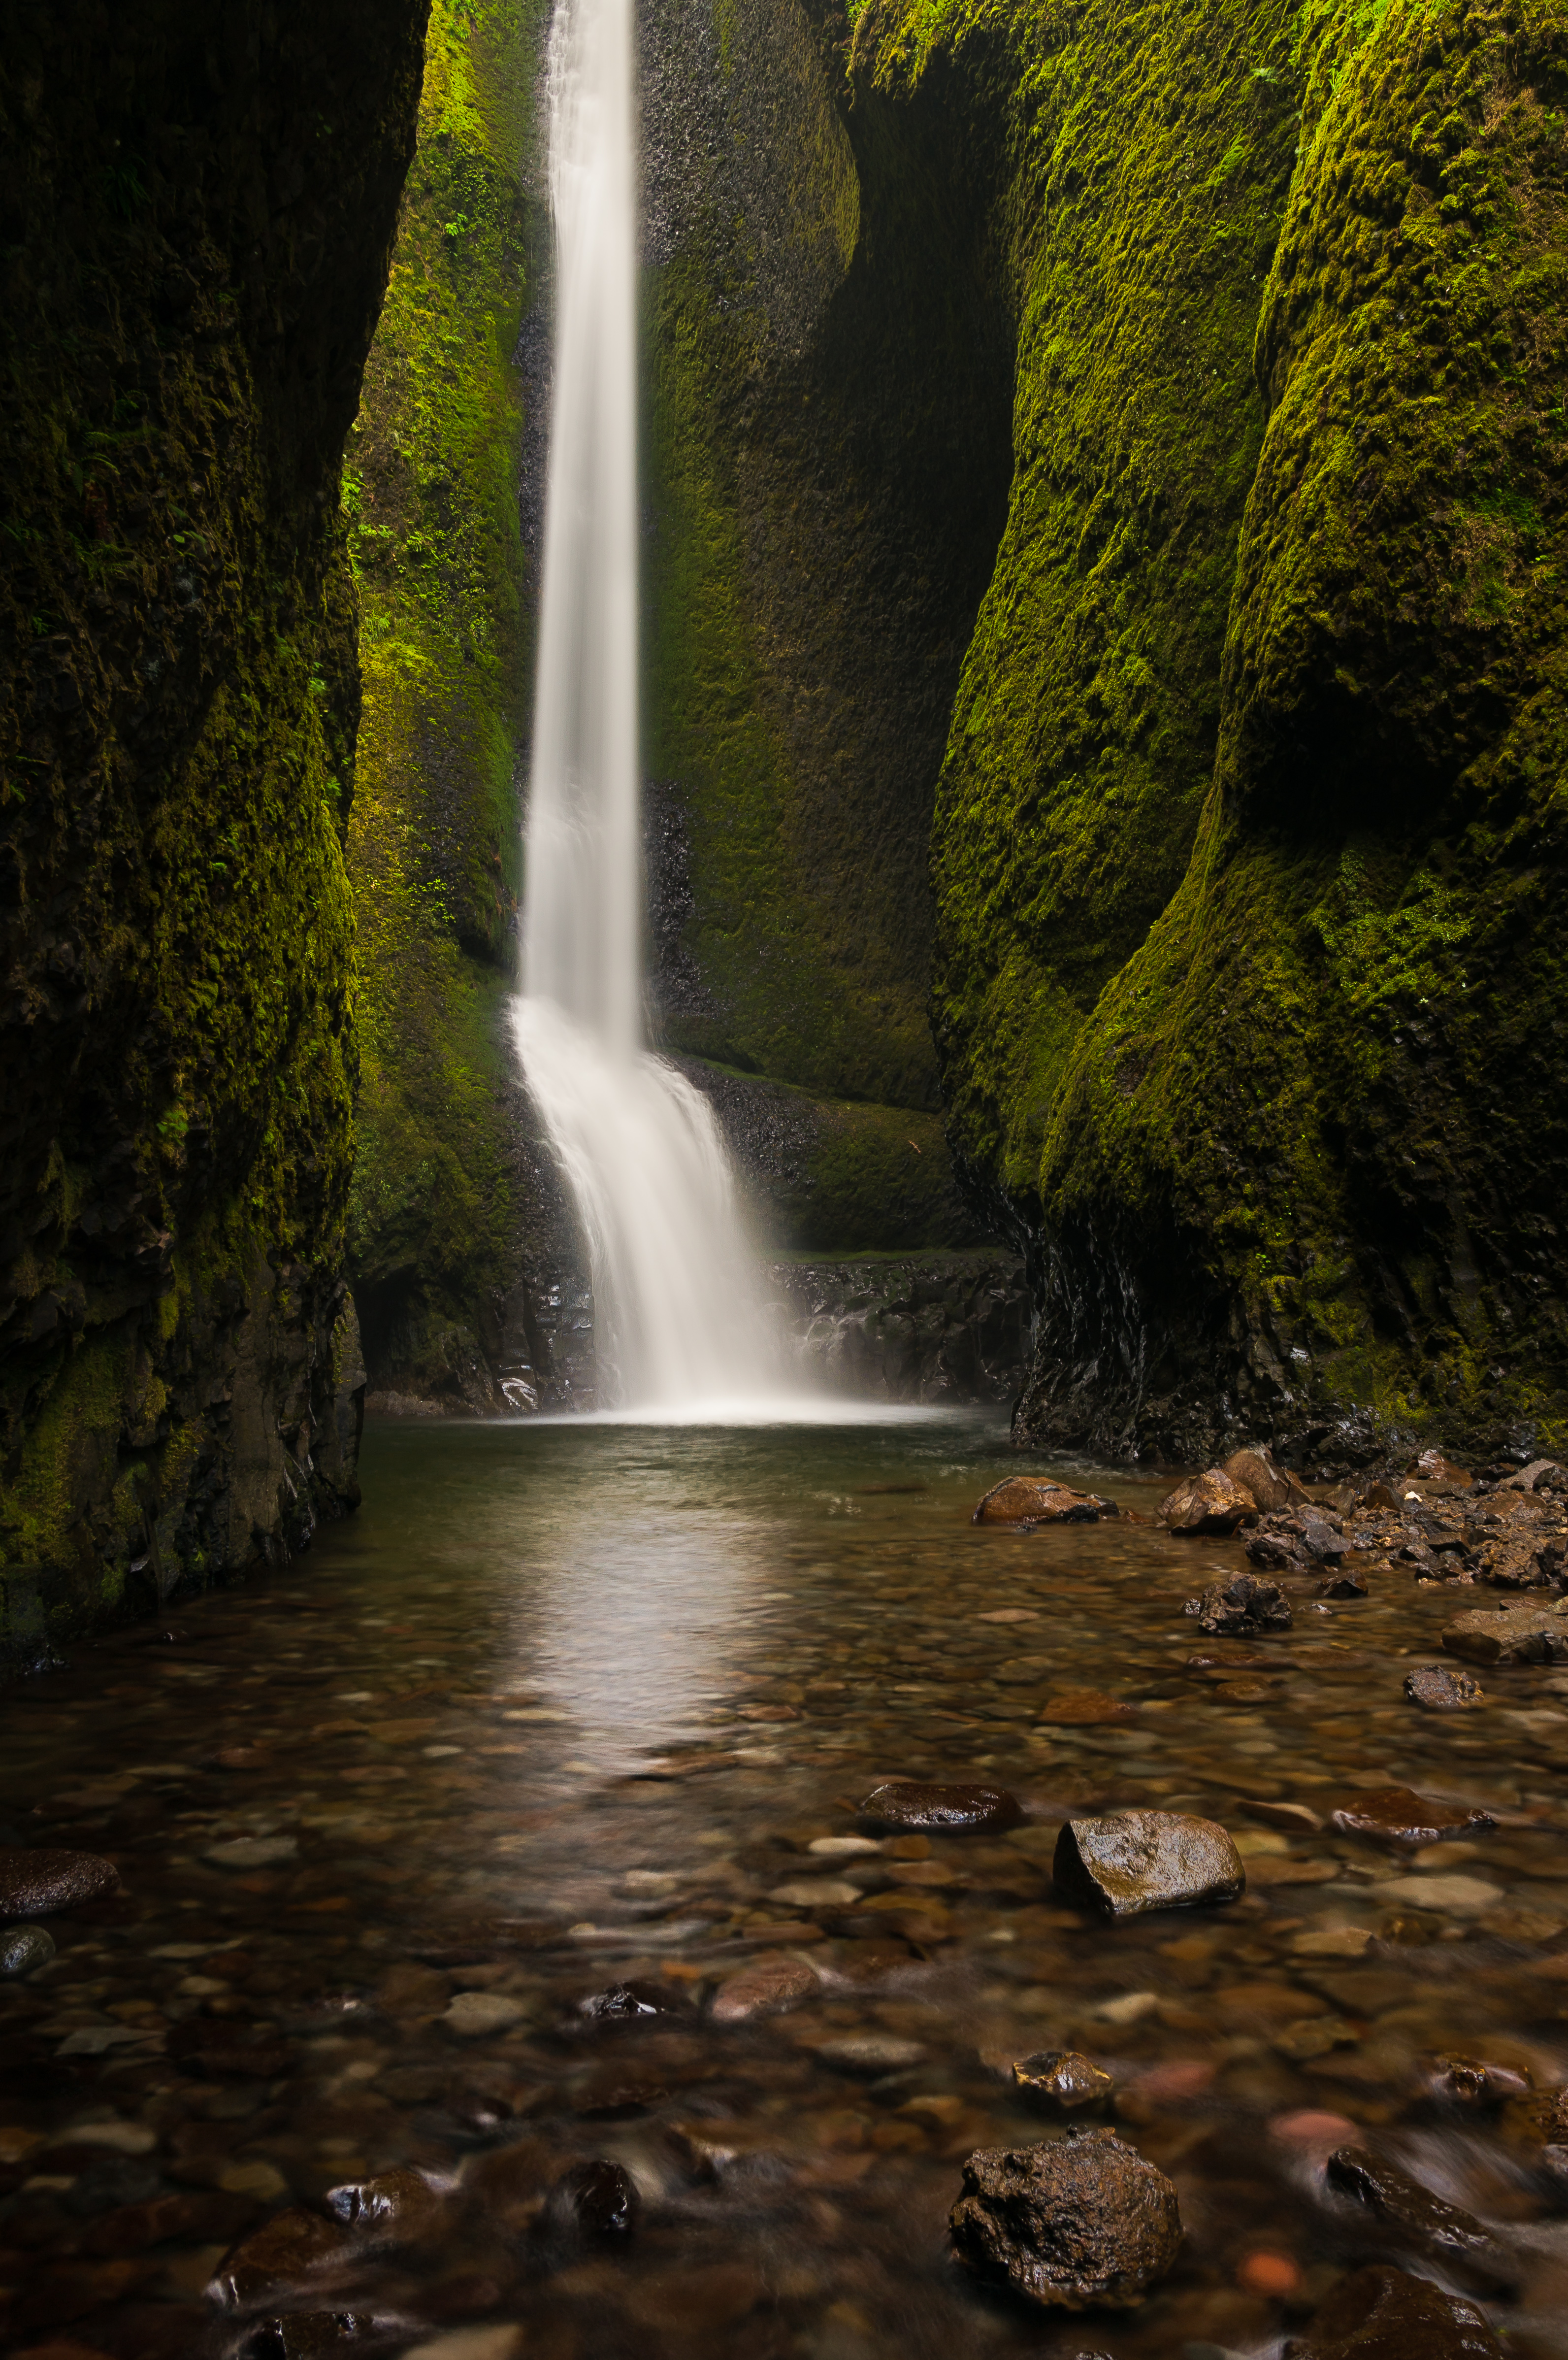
x=194, y=223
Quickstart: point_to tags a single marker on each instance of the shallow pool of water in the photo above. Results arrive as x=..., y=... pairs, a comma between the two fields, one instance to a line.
x=568, y=1706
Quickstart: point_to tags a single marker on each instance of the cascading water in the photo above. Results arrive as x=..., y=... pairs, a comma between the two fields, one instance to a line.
x=672, y=1278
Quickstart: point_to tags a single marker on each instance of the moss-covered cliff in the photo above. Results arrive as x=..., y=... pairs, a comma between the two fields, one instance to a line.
x=194, y=224
x=1249, y=827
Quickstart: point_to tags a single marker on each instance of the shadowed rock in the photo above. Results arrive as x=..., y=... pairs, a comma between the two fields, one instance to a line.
x=1027, y=1500
x=1510, y=1635
x=1241, y=1607
x=597, y=2200
x=1063, y=2077
x=1137, y=1861
x=1085, y=2220
x=1382, y=2313
x=1414, y=2217
x=1268, y=1486
x=34, y=1883
x=949, y=1810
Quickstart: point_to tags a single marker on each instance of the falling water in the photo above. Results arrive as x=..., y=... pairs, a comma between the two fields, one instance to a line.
x=672, y=1278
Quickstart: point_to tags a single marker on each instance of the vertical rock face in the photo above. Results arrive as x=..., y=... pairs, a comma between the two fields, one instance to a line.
x=194, y=226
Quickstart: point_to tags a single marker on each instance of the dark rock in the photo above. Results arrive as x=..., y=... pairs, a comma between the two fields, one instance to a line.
x=310, y=2334
x=1065, y=2078
x=1241, y=1607
x=1270, y=1487
x=1418, y=2219
x=1343, y=1584
x=1070, y=2223
x=1207, y=1504
x=1478, y=2084
x=1276, y=1552
x=1323, y=1541
x=948, y=1811
x=593, y=2200
x=625, y=2002
x=1135, y=1860
x=1027, y=1500
x=37, y=1883
x=291, y=2247
x=1441, y=1690
x=1511, y=1635
x=23, y=1950
x=1393, y=1815
x=1382, y=2313
x=394, y=2208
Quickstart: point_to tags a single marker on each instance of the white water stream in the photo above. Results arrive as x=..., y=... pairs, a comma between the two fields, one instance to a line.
x=677, y=1327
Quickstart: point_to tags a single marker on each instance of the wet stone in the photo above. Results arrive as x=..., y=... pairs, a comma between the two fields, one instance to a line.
x=308, y=2334
x=1135, y=1860
x=1064, y=2079
x=1268, y=1486
x=1437, y=1688
x=1417, y=2219
x=1240, y=1608
x=1211, y=1502
x=625, y=2002
x=1383, y=2313
x=1346, y=1583
x=595, y=2199
x=472, y=2014
x=395, y=2207
x=1027, y=1500
x=1084, y=1708
x=1394, y=1816
x=1068, y=2223
x=23, y=1950
x=947, y=1810
x=1511, y=1635
x=765, y=1988
x=35, y=1882
x=292, y=2245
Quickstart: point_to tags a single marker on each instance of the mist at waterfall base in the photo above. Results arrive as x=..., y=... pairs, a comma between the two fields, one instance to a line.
x=680, y=1333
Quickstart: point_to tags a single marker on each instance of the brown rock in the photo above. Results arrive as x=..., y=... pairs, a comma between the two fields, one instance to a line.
x=1070, y=2223
x=1254, y=1471
x=395, y=2208
x=1431, y=1467
x=1511, y=1635
x=1241, y=1607
x=1418, y=2219
x=1137, y=1861
x=593, y=2200
x=1393, y=1815
x=273, y=2259
x=1027, y=1500
x=1441, y=1690
x=1382, y=2313
x=1083, y=1708
x=947, y=1810
x=1207, y=1504
x=35, y=1883
x=764, y=1988
x=1068, y=2080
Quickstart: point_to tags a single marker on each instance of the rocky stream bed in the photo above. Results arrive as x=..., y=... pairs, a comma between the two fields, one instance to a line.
x=635, y=1894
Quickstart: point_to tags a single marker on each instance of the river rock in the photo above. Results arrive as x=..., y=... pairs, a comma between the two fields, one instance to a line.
x=472, y=2014
x=1241, y=1607
x=1135, y=1860
x=23, y=1950
x=1541, y=1474
x=1393, y=1815
x=1068, y=2080
x=1211, y=1502
x=1085, y=1708
x=1441, y=1690
x=624, y=2003
x=1068, y=2223
x=949, y=1811
x=1417, y=2218
x=1382, y=2313
x=35, y=1883
x=764, y=1988
x=394, y=2208
x=1255, y=1473
x=1515, y=1634
x=596, y=2200
x=272, y=2261
x=1027, y=1500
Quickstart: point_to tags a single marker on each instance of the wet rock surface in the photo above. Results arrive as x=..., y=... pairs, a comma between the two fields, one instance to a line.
x=36, y=1883
x=24, y=1949
x=1065, y=2080
x=1081, y=2221
x=946, y=1810
x=1214, y=1503
x=1241, y=1607
x=1410, y=2214
x=1382, y=2313
x=1439, y=1690
x=1510, y=1635
x=1392, y=1815
x=1029, y=1499
x=1137, y=1861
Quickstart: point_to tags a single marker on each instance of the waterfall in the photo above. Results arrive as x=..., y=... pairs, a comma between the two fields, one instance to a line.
x=676, y=1327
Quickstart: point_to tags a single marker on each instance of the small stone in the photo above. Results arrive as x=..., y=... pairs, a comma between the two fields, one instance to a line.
x=814, y=1893
x=472, y=2014
x=1343, y=1584
x=1084, y=1708
x=1241, y=1607
x=1068, y=2080
x=1332, y=1942
x=1417, y=2218
x=23, y=1950
x=1383, y=2313
x=1212, y=1502
x=622, y=2003
x=873, y=2053
x=503, y=2341
x=1135, y=1860
x=1027, y=1500
x=35, y=1883
x=252, y=1851
x=1296, y=1816
x=1394, y=1816
x=765, y=1988
x=844, y=1847
x=1068, y=2223
x=1270, y=1487
x=1315, y=2035
x=1450, y=1896
x=395, y=2207
x=1441, y=1690
x=912, y=1803
x=593, y=2200
x=275, y=2257
x=1476, y=2084
x=1515, y=1634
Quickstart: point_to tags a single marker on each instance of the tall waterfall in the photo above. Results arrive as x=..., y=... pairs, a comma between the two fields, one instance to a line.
x=676, y=1326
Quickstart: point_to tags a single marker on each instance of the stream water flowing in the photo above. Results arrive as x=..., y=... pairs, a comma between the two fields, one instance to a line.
x=578, y=1706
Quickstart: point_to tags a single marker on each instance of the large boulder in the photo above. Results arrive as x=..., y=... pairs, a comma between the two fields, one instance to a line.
x=1131, y=1861
x=1070, y=2223
x=1382, y=2313
x=1212, y=1502
x=1515, y=1634
x=1024, y=1500
x=1271, y=1487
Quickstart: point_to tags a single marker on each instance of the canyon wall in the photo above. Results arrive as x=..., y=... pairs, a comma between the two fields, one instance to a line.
x=195, y=219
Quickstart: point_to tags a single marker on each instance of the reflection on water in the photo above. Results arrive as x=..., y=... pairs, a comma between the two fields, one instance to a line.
x=575, y=1703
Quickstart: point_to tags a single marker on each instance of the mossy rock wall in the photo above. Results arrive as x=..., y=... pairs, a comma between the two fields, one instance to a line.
x=195, y=218
x=1250, y=827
